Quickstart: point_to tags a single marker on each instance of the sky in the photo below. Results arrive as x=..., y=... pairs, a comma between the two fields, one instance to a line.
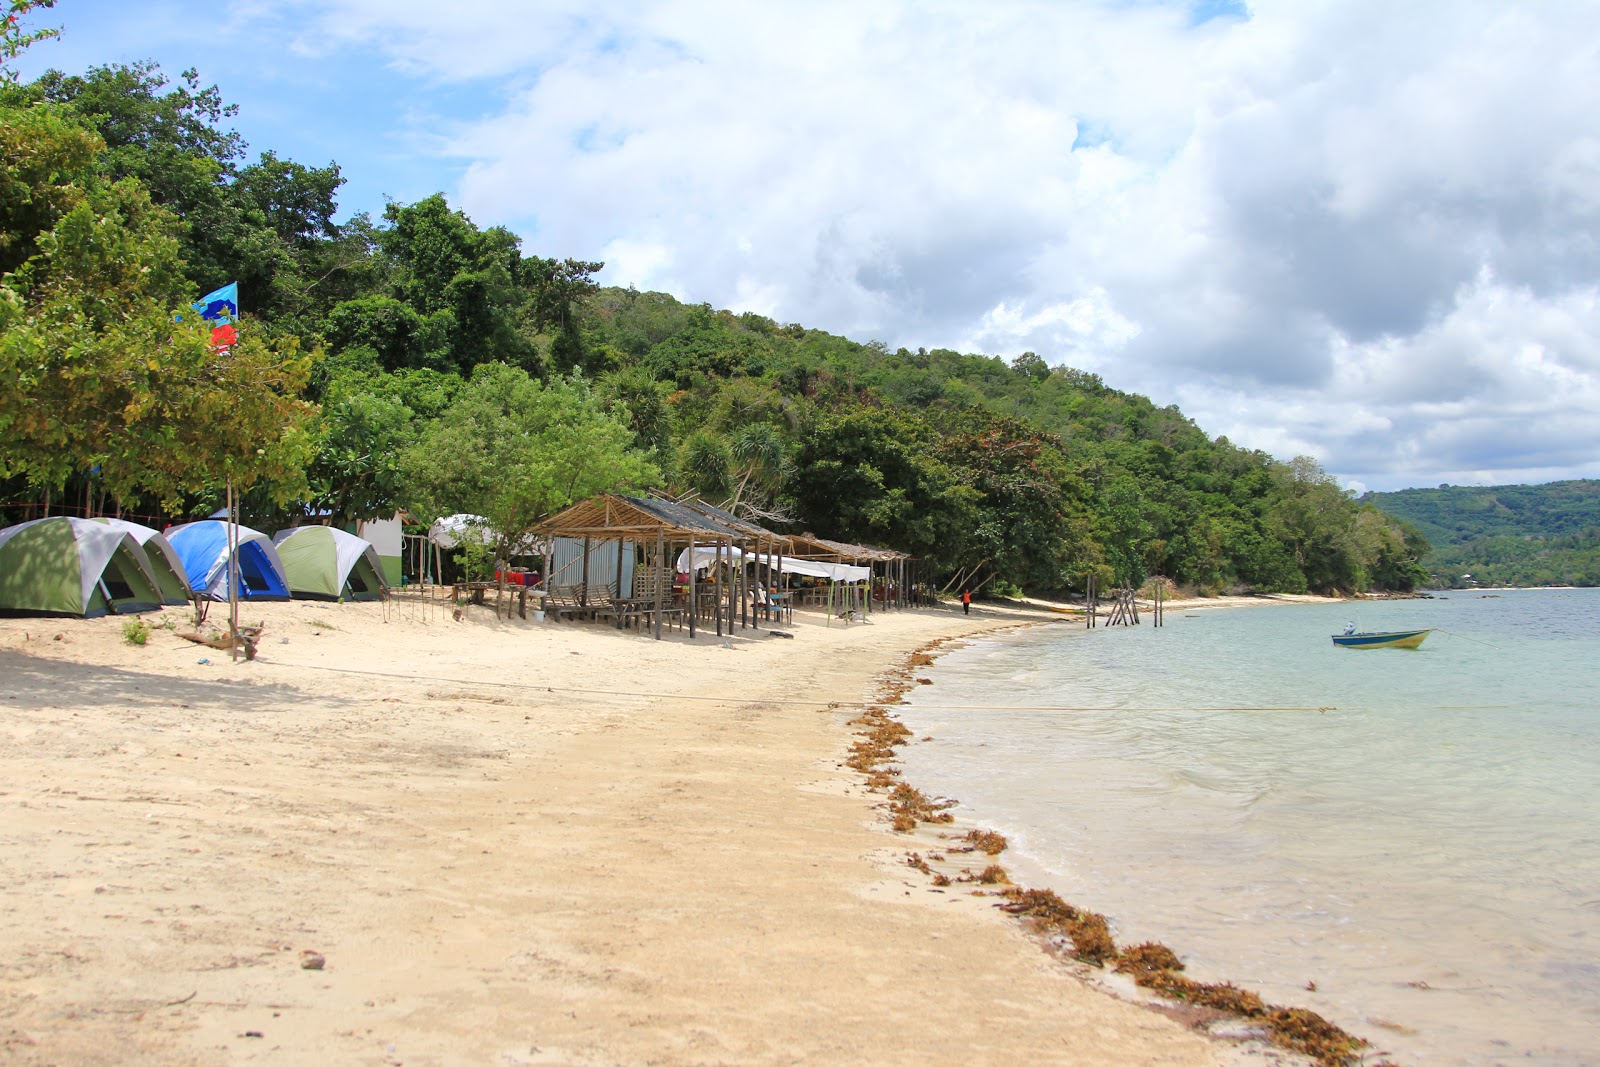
x=1362, y=231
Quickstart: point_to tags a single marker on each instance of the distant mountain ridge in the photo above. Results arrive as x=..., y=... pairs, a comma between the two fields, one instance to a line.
x=1505, y=534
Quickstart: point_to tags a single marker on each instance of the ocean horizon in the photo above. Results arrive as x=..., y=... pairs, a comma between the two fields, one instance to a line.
x=1400, y=840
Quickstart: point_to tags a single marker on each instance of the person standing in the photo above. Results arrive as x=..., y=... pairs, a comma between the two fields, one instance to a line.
x=966, y=602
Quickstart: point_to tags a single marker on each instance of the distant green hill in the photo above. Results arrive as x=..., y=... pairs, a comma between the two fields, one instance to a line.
x=1505, y=534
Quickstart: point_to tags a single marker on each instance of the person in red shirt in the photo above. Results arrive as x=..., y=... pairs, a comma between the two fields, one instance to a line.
x=966, y=602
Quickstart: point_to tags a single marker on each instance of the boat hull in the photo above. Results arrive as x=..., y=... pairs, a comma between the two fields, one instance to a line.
x=1397, y=639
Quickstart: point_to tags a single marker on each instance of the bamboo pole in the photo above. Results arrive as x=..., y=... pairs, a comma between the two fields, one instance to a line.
x=661, y=577
x=716, y=578
x=583, y=597
x=233, y=578
x=694, y=595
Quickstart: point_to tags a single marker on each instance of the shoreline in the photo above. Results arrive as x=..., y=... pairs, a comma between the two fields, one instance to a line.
x=1148, y=974
x=506, y=841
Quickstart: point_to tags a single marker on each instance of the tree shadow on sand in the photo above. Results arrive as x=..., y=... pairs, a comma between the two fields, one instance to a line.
x=38, y=682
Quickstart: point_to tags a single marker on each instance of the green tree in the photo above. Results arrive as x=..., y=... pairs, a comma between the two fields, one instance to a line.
x=96, y=367
x=356, y=474
x=461, y=281
x=872, y=477
x=516, y=450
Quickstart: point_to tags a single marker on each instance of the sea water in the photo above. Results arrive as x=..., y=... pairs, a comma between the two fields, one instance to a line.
x=1407, y=842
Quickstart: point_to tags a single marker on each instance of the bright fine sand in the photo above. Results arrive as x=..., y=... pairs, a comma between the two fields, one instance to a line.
x=510, y=842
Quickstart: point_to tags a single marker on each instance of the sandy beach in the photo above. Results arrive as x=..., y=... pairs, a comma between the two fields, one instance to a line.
x=505, y=842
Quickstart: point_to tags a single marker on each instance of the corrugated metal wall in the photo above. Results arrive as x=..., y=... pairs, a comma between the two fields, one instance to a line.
x=566, y=565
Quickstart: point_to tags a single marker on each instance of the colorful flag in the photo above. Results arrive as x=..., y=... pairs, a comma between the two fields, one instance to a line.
x=222, y=304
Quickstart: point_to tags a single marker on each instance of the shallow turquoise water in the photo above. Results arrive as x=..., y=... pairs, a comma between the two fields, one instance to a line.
x=1415, y=832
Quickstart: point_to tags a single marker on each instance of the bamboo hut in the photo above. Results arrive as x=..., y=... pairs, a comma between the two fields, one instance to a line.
x=654, y=531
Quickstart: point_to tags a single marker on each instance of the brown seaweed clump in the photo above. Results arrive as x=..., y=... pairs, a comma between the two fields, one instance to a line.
x=908, y=807
x=1155, y=966
x=987, y=841
x=880, y=736
x=1088, y=931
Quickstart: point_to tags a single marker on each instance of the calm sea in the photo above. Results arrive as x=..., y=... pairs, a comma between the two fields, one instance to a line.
x=1417, y=833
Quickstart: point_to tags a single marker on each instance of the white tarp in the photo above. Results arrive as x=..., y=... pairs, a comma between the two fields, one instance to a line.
x=835, y=572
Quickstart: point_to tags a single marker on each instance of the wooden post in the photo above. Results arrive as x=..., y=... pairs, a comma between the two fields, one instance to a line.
x=716, y=578
x=583, y=595
x=620, y=544
x=694, y=594
x=661, y=577
x=753, y=567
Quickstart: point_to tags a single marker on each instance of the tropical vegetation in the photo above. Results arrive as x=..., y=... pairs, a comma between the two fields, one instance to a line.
x=1504, y=534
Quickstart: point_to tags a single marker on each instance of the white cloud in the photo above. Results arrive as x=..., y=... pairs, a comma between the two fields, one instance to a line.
x=1349, y=228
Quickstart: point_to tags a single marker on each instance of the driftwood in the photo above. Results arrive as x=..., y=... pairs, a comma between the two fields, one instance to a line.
x=247, y=638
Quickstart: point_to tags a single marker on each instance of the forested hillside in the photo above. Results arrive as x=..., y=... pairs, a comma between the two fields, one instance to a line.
x=1505, y=534
x=419, y=360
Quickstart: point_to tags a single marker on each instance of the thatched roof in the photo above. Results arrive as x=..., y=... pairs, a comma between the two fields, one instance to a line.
x=611, y=517
x=732, y=521
x=810, y=546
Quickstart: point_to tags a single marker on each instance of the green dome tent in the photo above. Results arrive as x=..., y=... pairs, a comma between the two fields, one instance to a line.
x=67, y=566
x=171, y=581
x=322, y=563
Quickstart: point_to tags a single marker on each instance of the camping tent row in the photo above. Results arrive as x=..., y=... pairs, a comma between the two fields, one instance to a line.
x=305, y=562
x=90, y=567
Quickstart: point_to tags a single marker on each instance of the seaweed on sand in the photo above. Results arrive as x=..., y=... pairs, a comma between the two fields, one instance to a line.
x=1088, y=931
x=908, y=806
x=987, y=841
x=1156, y=967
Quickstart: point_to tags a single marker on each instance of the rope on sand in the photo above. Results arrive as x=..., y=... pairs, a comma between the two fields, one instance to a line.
x=818, y=702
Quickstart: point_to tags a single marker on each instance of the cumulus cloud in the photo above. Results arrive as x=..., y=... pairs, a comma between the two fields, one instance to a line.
x=1348, y=228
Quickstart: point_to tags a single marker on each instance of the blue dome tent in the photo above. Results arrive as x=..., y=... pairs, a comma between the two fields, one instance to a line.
x=203, y=548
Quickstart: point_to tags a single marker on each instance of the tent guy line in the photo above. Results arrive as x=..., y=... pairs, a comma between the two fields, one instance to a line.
x=711, y=698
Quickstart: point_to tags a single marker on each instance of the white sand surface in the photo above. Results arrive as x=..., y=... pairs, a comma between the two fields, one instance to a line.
x=511, y=842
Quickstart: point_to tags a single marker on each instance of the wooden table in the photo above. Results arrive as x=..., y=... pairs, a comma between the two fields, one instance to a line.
x=644, y=610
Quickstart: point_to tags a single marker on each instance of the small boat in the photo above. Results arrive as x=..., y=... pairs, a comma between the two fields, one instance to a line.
x=1393, y=639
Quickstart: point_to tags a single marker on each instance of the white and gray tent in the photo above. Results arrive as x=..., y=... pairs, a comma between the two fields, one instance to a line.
x=171, y=581
x=324, y=563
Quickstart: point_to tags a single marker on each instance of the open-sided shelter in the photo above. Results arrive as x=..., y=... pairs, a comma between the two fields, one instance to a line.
x=322, y=563
x=654, y=530
x=67, y=566
x=171, y=582
x=203, y=549
x=895, y=568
